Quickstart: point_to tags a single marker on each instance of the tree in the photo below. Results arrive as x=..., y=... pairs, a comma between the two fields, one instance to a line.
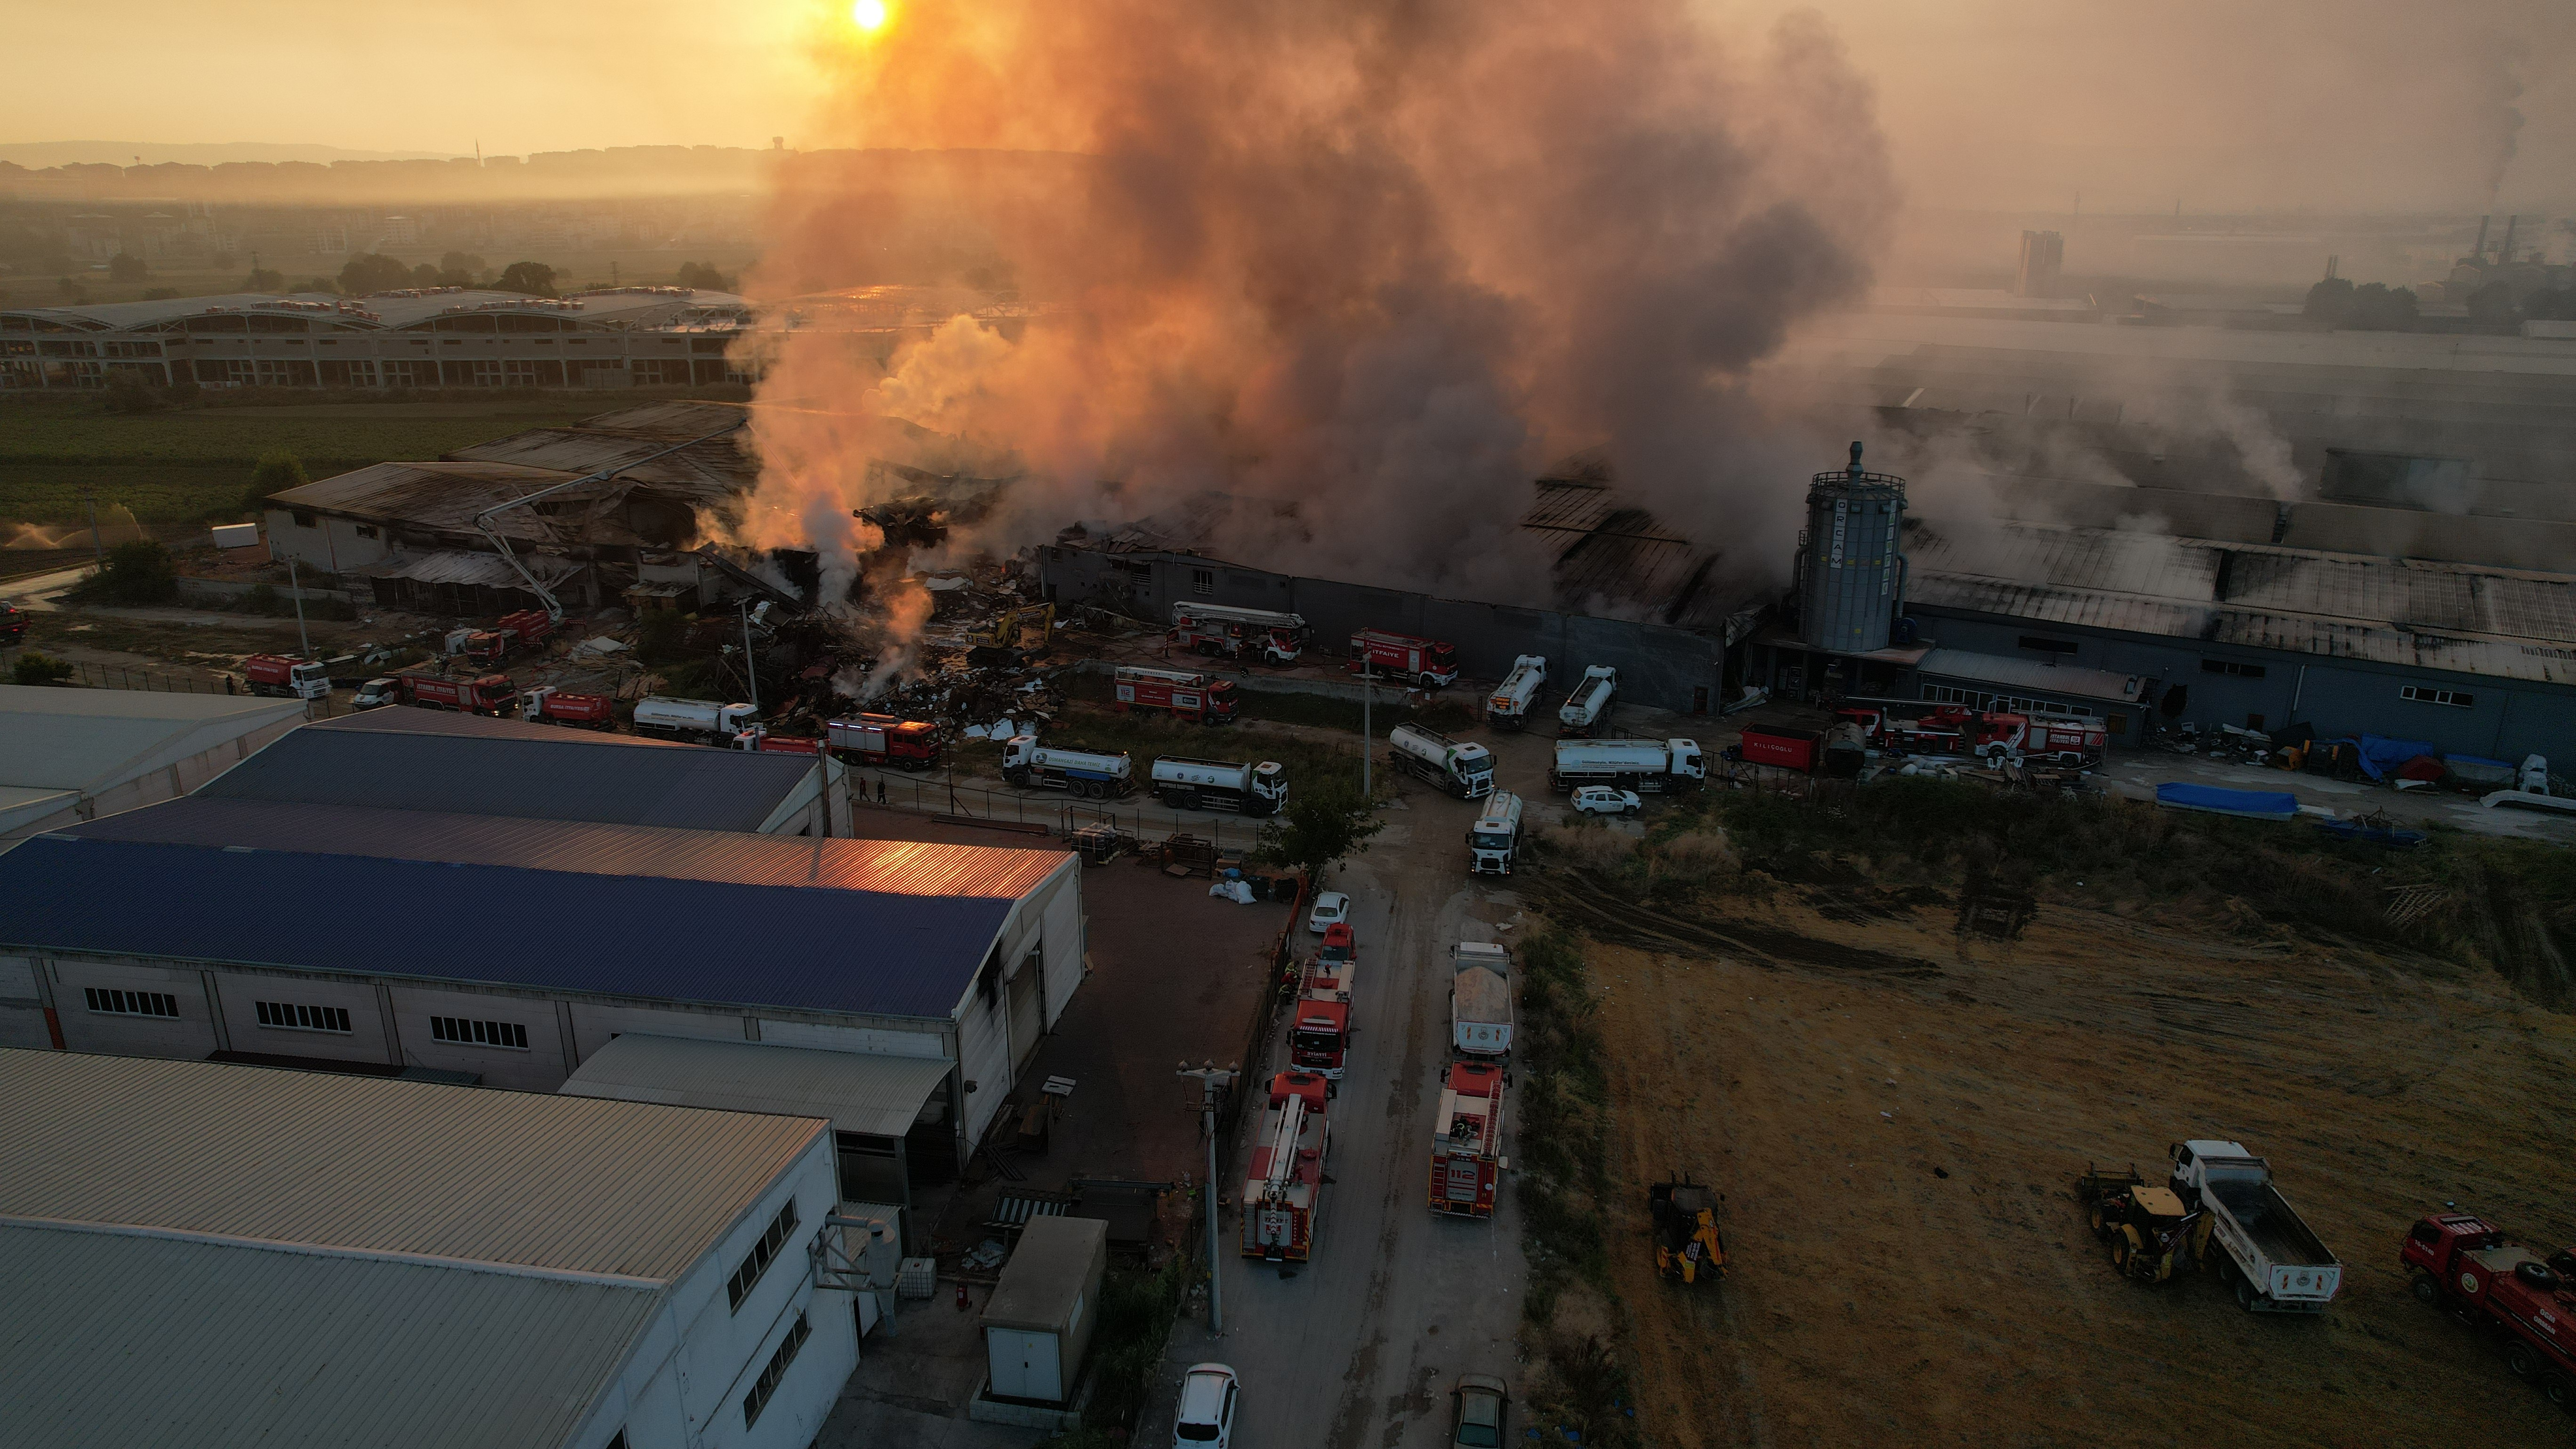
x=703, y=275
x=276, y=471
x=129, y=392
x=373, y=272
x=2492, y=305
x=324, y=285
x=261, y=279
x=2550, y=305
x=465, y=262
x=534, y=278
x=2377, y=307
x=2330, y=301
x=125, y=267
x=1322, y=824
x=139, y=572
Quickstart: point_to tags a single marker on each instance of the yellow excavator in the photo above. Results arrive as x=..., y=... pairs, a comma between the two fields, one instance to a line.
x=1687, y=1243
x=2152, y=1235
x=1023, y=630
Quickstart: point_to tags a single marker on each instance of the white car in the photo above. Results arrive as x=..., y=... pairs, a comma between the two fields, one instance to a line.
x=1331, y=909
x=1206, y=1416
x=1606, y=800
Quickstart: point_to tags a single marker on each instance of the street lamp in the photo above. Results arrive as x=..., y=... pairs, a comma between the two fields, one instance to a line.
x=1368, y=735
x=1213, y=1082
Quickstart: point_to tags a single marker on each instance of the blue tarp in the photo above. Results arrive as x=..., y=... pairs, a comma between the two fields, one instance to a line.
x=2258, y=804
x=2380, y=754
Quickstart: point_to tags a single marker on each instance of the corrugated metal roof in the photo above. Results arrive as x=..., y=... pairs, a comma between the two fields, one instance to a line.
x=2032, y=674
x=708, y=472
x=91, y=739
x=397, y=720
x=449, y=495
x=857, y=1092
x=127, y=1340
x=545, y=777
x=418, y=1168
x=896, y=928
x=442, y=566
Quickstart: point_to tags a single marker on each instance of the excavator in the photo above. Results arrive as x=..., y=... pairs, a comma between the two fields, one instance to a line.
x=1019, y=631
x=2152, y=1235
x=1687, y=1242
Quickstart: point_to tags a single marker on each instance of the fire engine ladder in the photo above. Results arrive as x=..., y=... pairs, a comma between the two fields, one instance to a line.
x=1283, y=1149
x=483, y=520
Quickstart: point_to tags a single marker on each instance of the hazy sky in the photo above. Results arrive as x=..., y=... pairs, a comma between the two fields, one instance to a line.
x=2012, y=103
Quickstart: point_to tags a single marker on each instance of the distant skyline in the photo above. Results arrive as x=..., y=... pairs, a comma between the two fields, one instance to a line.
x=37, y=154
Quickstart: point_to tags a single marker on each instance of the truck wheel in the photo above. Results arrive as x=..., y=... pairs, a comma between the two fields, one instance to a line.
x=2520, y=1361
x=2244, y=1293
x=2426, y=1291
x=2559, y=1390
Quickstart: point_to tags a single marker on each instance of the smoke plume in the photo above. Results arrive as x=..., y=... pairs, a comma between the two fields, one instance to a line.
x=1358, y=269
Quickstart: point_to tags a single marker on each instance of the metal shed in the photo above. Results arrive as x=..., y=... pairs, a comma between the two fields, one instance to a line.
x=1037, y=1328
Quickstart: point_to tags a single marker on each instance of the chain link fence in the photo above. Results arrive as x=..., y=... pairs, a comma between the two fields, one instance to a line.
x=1143, y=821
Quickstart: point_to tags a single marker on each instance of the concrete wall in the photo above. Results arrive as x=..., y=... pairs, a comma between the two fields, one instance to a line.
x=1663, y=667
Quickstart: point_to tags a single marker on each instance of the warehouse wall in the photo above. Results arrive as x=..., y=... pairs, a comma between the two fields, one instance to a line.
x=1660, y=666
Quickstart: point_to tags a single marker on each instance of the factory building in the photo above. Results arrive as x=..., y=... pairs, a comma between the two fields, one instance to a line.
x=435, y=337
x=511, y=951
x=75, y=754
x=424, y=759
x=217, y=1255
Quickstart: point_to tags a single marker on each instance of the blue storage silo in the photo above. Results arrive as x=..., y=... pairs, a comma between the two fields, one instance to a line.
x=1851, y=582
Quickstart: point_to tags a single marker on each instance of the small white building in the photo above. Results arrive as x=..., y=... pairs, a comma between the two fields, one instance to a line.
x=213, y=1255
x=69, y=755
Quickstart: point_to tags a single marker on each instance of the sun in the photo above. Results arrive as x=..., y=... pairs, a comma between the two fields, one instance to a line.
x=869, y=15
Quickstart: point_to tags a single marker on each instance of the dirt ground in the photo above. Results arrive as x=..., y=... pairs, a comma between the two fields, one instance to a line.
x=1827, y=1087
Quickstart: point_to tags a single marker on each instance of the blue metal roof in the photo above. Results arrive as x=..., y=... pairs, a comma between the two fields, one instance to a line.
x=893, y=928
x=544, y=774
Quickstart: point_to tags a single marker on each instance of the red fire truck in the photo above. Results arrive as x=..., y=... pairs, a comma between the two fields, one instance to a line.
x=1190, y=696
x=546, y=704
x=2461, y=1263
x=1952, y=729
x=882, y=739
x=759, y=740
x=1225, y=632
x=1284, y=1192
x=1467, y=1141
x=1430, y=663
x=1319, y=1033
x=524, y=629
x=485, y=694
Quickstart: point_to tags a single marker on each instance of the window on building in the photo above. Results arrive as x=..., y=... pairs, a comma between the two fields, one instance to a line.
x=366, y=530
x=303, y=519
x=764, y=1252
x=466, y=1031
x=112, y=1002
x=758, y=1398
x=2420, y=694
x=2230, y=666
x=2039, y=645
x=1202, y=581
x=296, y=1016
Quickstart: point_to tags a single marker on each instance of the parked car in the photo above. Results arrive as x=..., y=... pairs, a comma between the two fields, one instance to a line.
x=1478, y=1405
x=1331, y=909
x=377, y=691
x=1206, y=1416
x=13, y=625
x=1606, y=800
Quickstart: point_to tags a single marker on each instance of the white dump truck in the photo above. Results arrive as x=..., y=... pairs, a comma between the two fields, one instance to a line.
x=703, y=721
x=1480, y=999
x=1647, y=766
x=2276, y=1261
x=1496, y=836
x=1187, y=784
x=1083, y=774
x=1461, y=767
x=1507, y=708
x=1588, y=707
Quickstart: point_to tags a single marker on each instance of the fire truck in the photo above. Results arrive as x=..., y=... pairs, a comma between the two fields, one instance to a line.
x=1430, y=663
x=759, y=741
x=882, y=739
x=1225, y=632
x=292, y=678
x=546, y=704
x=1284, y=1192
x=487, y=694
x=1467, y=1159
x=1319, y=1032
x=1952, y=729
x=524, y=629
x=1189, y=696
x=2461, y=1263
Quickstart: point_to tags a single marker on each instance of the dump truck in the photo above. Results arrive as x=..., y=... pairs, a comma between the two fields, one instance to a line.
x=546, y=704
x=2153, y=1238
x=1459, y=767
x=281, y=676
x=1495, y=838
x=884, y=740
x=1186, y=784
x=1480, y=999
x=2462, y=1263
x=1222, y=631
x=1319, y=1030
x=1083, y=774
x=1430, y=663
x=1283, y=1194
x=1687, y=1242
x=484, y=694
x=1646, y=766
x=2275, y=1260
x=525, y=629
x=1179, y=693
x=1588, y=707
x=699, y=721
x=1507, y=708
x=1467, y=1162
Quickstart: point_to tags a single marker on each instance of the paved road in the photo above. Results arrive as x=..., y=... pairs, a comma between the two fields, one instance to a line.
x=1358, y=1347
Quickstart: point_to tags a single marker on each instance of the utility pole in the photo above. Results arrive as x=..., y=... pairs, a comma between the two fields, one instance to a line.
x=1213, y=1082
x=750, y=669
x=297, y=589
x=89, y=501
x=1368, y=735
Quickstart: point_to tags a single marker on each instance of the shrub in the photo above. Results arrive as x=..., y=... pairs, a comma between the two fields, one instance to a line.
x=36, y=669
x=139, y=572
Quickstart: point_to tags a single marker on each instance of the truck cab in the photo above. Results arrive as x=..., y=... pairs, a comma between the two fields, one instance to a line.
x=1494, y=838
x=2464, y=1263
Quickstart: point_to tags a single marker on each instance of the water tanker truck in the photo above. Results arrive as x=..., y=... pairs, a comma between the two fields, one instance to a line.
x=1186, y=784
x=1647, y=766
x=1083, y=774
x=699, y=721
x=1460, y=767
x=1496, y=836
x=1588, y=707
x=1507, y=708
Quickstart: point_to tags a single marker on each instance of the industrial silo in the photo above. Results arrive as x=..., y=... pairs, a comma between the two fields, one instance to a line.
x=1850, y=574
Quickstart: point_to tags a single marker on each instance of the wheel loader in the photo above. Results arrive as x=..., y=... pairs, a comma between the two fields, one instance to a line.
x=2153, y=1237
x=1687, y=1243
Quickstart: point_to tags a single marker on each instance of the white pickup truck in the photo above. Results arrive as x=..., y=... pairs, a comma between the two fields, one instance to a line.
x=2277, y=1262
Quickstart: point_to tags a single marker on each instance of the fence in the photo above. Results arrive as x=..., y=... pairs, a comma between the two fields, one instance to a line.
x=896, y=790
x=119, y=676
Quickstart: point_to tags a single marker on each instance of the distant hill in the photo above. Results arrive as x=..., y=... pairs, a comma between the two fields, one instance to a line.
x=38, y=154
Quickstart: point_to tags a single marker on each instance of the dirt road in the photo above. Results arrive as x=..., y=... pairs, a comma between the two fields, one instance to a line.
x=1897, y=1149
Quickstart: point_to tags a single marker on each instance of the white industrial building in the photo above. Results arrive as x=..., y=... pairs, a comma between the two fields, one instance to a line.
x=69, y=755
x=212, y=1255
